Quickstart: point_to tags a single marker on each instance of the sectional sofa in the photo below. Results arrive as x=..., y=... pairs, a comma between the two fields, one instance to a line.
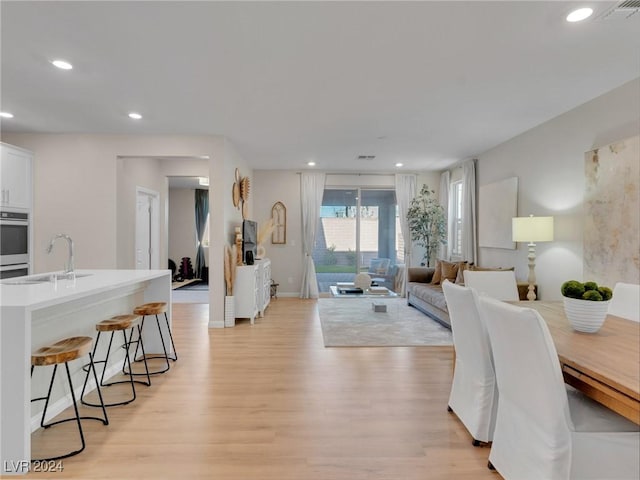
x=426, y=295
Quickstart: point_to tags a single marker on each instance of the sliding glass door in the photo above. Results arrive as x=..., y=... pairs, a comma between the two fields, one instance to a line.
x=358, y=232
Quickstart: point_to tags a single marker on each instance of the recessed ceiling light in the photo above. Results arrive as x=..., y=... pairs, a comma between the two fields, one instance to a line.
x=62, y=64
x=579, y=14
x=399, y=164
x=311, y=164
x=6, y=115
x=135, y=116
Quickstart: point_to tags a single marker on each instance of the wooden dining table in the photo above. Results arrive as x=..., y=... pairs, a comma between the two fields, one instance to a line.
x=604, y=365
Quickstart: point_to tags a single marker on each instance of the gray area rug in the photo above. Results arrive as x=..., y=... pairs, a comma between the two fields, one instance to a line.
x=351, y=322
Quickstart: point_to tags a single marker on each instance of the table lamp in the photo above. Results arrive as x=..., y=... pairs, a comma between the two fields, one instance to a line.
x=532, y=229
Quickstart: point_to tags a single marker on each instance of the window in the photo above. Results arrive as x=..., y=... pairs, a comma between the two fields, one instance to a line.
x=456, y=217
x=205, y=236
x=357, y=226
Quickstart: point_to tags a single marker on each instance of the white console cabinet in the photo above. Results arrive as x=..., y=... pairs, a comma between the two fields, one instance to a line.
x=15, y=177
x=252, y=289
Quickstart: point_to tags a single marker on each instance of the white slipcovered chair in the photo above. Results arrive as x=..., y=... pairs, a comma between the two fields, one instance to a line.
x=474, y=395
x=625, y=302
x=544, y=429
x=500, y=285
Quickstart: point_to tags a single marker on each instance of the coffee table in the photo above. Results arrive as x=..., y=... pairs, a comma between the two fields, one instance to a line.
x=337, y=294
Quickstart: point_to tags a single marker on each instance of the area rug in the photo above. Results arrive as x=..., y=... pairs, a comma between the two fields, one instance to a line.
x=351, y=322
x=194, y=285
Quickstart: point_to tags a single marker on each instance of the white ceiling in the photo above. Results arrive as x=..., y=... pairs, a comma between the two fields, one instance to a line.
x=423, y=83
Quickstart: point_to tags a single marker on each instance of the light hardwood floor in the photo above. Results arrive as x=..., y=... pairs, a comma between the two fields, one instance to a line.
x=270, y=402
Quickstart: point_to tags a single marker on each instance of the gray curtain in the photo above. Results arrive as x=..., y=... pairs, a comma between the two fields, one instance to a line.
x=311, y=191
x=202, y=210
x=469, y=226
x=406, y=189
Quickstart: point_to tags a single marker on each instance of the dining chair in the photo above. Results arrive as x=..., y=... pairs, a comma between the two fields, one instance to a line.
x=544, y=429
x=625, y=302
x=500, y=285
x=474, y=394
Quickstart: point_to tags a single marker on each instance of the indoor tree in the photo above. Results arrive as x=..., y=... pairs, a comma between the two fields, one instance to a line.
x=427, y=223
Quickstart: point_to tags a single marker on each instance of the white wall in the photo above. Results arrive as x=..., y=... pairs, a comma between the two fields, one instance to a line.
x=273, y=186
x=549, y=163
x=132, y=173
x=233, y=215
x=182, y=224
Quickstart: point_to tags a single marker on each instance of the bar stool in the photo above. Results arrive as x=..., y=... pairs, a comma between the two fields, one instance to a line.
x=120, y=323
x=65, y=351
x=156, y=308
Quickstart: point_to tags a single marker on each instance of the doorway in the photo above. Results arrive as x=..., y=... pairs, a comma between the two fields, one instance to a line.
x=359, y=232
x=147, y=247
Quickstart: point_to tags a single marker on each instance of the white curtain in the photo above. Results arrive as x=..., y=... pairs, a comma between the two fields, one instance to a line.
x=469, y=237
x=445, y=181
x=311, y=191
x=406, y=189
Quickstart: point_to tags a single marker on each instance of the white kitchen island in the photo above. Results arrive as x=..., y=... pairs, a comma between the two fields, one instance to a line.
x=35, y=312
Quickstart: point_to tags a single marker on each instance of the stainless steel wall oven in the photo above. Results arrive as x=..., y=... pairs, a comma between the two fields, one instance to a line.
x=14, y=244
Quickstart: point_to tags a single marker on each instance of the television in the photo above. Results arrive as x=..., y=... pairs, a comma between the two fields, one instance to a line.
x=249, y=241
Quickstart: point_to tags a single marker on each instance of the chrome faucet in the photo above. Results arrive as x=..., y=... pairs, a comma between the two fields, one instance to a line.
x=69, y=266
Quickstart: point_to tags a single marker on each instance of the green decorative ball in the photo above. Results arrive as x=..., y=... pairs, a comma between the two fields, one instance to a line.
x=606, y=293
x=572, y=289
x=592, y=295
x=591, y=286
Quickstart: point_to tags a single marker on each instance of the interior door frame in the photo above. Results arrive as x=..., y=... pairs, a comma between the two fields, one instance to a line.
x=154, y=228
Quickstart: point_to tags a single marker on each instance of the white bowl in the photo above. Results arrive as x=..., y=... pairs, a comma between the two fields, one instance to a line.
x=585, y=315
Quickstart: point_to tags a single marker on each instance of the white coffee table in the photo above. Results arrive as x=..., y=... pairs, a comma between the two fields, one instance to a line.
x=388, y=293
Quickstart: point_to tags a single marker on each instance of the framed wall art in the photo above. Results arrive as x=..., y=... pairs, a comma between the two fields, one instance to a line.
x=279, y=216
x=497, y=205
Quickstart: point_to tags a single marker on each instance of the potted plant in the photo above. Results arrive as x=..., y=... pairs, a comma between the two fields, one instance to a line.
x=585, y=304
x=427, y=223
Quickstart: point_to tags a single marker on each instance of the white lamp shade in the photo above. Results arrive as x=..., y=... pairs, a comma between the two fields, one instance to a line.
x=532, y=229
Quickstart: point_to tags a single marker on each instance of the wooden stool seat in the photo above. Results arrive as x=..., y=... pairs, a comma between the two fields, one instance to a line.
x=63, y=351
x=154, y=308
x=119, y=322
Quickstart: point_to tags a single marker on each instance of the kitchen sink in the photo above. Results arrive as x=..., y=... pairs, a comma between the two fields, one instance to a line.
x=39, y=279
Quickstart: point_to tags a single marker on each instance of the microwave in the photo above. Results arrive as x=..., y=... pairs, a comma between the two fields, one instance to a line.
x=14, y=238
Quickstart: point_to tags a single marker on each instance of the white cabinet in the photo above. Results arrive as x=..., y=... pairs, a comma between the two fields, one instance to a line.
x=265, y=266
x=252, y=289
x=246, y=291
x=15, y=177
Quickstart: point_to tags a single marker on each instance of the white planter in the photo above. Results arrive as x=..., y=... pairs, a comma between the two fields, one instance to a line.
x=229, y=311
x=585, y=315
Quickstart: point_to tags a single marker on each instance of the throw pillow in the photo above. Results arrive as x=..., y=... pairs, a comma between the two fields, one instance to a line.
x=437, y=274
x=462, y=266
x=449, y=271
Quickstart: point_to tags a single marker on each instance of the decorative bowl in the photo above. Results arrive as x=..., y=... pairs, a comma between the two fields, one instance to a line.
x=585, y=315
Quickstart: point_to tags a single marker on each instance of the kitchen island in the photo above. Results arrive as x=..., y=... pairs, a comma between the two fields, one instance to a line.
x=41, y=309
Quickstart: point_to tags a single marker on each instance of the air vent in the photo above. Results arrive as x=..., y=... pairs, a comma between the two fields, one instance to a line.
x=622, y=11
x=366, y=157
x=629, y=4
